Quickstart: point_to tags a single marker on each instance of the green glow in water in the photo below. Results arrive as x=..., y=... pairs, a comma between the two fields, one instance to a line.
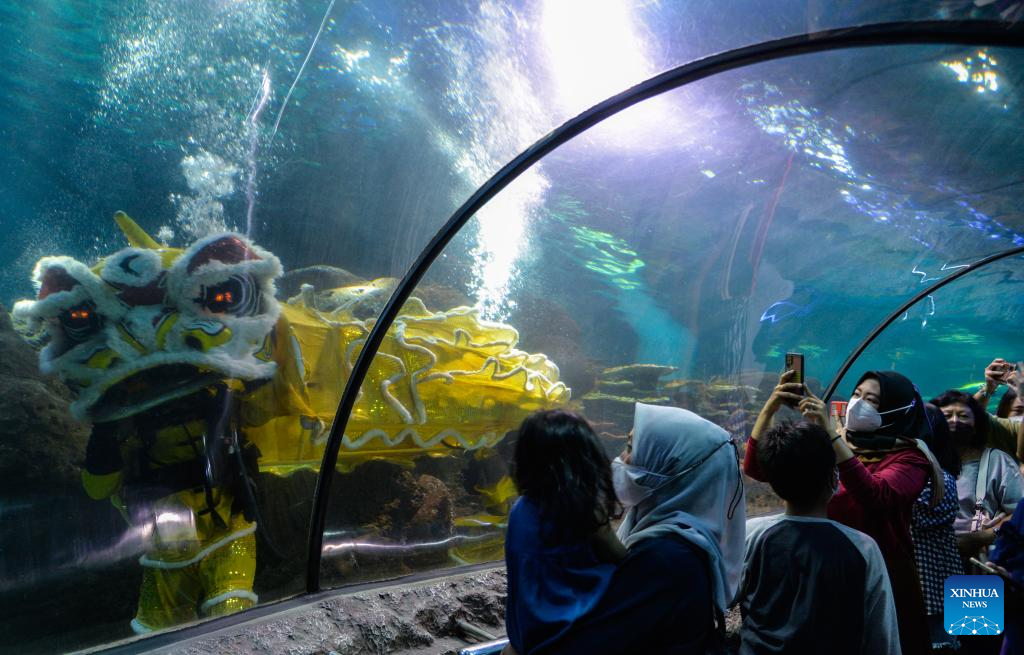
x=959, y=337
x=609, y=255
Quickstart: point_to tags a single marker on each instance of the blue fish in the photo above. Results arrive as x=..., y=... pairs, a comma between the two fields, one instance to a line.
x=784, y=309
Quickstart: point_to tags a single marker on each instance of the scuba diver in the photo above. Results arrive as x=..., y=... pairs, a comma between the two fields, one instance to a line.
x=195, y=378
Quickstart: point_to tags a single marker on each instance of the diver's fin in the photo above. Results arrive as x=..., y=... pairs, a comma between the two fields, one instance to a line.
x=137, y=237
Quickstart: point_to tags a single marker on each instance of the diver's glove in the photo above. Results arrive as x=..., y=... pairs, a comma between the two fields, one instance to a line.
x=103, y=452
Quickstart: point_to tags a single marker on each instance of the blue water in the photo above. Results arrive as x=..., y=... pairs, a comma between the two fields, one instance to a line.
x=786, y=206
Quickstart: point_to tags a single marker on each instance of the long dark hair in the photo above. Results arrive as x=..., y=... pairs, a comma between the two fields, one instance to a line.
x=560, y=465
x=1006, y=403
x=940, y=441
x=954, y=396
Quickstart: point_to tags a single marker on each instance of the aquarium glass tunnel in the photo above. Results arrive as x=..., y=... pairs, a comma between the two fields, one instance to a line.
x=280, y=278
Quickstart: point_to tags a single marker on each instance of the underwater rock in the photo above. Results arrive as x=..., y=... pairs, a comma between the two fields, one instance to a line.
x=421, y=617
x=378, y=496
x=380, y=516
x=654, y=400
x=379, y=502
x=285, y=504
x=735, y=393
x=689, y=394
x=644, y=376
x=320, y=277
x=360, y=301
x=67, y=561
x=431, y=523
x=606, y=405
x=545, y=326
x=41, y=444
x=436, y=296
x=615, y=387
x=618, y=390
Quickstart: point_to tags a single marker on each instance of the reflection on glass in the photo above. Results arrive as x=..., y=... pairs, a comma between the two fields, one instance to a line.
x=422, y=480
x=210, y=402
x=672, y=255
x=948, y=338
x=169, y=352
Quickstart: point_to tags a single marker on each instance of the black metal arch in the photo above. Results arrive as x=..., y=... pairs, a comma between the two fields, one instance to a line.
x=882, y=34
x=891, y=318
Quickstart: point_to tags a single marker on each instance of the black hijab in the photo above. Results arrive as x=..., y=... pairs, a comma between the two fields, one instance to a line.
x=896, y=391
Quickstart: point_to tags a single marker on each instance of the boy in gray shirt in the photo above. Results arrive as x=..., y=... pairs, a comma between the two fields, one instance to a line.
x=811, y=585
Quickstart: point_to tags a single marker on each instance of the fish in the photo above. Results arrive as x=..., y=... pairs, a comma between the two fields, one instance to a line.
x=783, y=309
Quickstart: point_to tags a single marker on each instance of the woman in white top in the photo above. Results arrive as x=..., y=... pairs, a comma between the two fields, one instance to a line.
x=989, y=486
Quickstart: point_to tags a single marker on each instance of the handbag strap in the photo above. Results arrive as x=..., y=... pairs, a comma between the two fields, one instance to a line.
x=981, y=486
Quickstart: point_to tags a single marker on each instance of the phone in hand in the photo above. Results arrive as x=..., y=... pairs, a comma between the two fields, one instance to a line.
x=991, y=571
x=795, y=362
x=983, y=566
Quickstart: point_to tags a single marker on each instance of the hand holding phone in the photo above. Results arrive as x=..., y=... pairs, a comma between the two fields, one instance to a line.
x=997, y=371
x=983, y=566
x=795, y=363
x=1004, y=574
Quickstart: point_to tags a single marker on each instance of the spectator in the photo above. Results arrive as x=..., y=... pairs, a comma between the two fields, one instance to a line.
x=796, y=561
x=1008, y=560
x=931, y=528
x=989, y=486
x=560, y=551
x=882, y=472
x=1010, y=405
x=1003, y=433
x=680, y=481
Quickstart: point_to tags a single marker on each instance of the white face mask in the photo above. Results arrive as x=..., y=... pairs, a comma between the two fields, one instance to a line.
x=625, y=479
x=861, y=416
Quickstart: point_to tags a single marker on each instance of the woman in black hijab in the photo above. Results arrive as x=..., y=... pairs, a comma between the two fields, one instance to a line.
x=882, y=470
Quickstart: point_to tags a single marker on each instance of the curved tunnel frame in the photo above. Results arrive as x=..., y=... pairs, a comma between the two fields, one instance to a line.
x=891, y=318
x=882, y=34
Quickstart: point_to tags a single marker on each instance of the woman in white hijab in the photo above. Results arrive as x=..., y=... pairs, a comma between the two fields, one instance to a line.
x=687, y=472
x=684, y=527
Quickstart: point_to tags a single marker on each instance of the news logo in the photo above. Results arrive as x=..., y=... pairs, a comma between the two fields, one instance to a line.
x=973, y=605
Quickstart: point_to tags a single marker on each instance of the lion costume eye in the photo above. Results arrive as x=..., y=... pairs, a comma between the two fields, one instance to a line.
x=237, y=295
x=81, y=322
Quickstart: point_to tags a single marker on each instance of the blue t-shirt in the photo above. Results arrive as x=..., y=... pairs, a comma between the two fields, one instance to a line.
x=551, y=583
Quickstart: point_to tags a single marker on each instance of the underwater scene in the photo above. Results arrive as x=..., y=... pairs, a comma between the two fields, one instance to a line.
x=208, y=204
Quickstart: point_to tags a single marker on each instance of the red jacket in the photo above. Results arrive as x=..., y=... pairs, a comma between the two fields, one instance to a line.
x=875, y=498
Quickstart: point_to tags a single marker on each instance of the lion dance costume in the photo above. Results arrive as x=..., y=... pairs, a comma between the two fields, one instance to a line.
x=195, y=377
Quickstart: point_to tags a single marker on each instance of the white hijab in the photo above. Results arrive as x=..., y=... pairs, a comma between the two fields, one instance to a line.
x=704, y=505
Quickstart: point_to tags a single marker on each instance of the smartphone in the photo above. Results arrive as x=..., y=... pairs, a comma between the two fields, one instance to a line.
x=983, y=566
x=1012, y=584
x=1009, y=369
x=795, y=362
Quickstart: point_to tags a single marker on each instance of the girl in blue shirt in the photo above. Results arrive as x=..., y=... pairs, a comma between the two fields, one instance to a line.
x=560, y=550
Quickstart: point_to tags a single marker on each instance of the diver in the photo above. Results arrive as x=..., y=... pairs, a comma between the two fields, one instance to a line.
x=183, y=477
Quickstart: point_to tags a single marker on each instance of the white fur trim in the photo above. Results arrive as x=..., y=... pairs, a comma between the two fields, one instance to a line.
x=185, y=286
x=146, y=266
x=228, y=365
x=235, y=593
x=220, y=543
x=140, y=628
x=90, y=287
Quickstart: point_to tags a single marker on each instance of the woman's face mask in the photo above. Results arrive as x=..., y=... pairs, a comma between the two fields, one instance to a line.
x=861, y=416
x=626, y=479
